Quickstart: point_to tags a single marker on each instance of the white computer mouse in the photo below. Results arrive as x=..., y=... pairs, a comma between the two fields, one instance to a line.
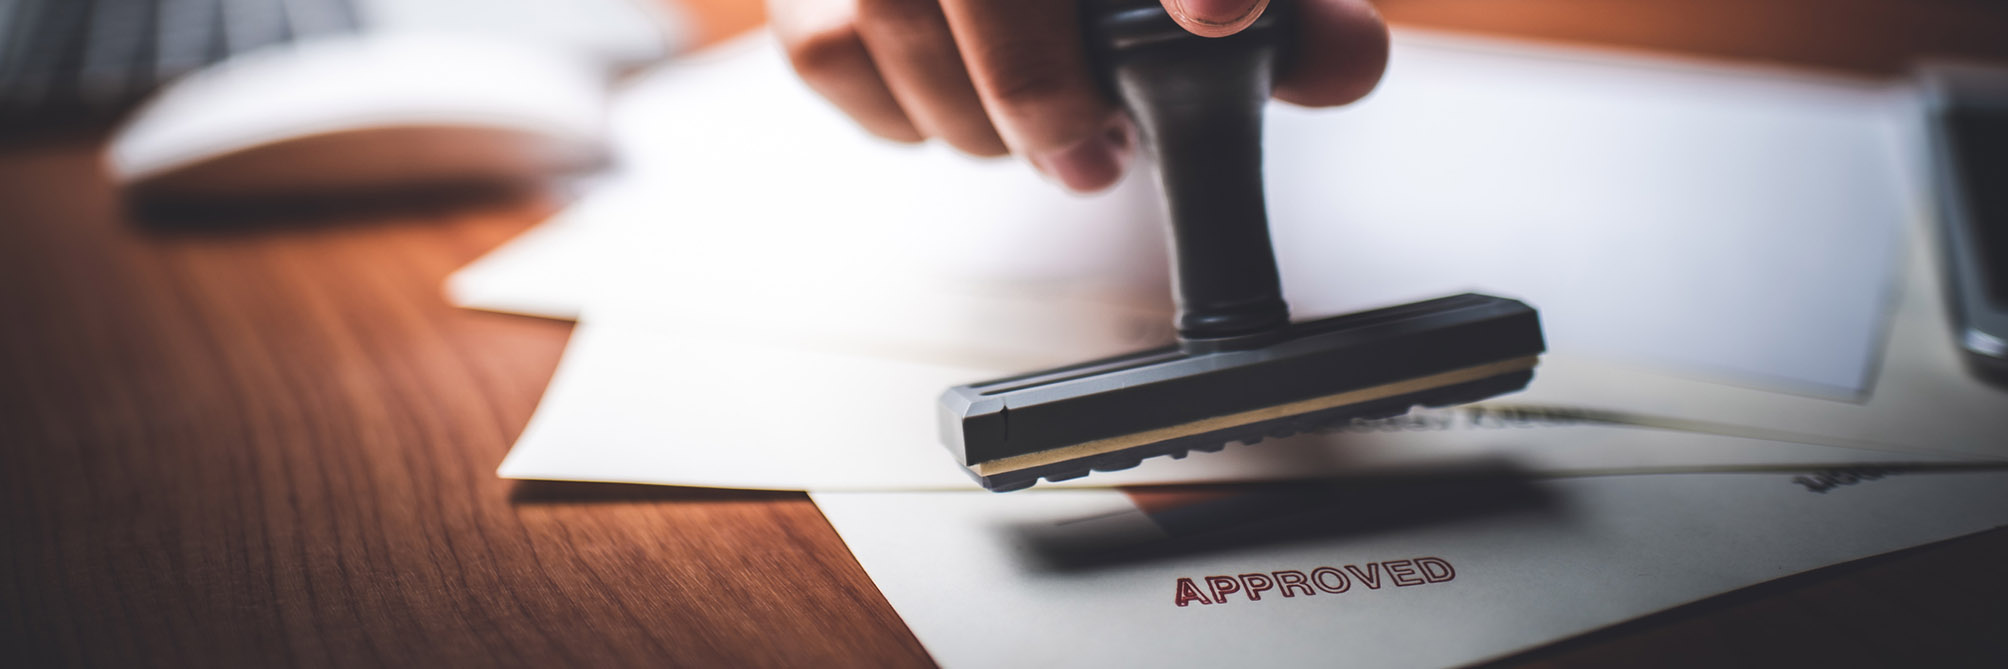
x=363, y=113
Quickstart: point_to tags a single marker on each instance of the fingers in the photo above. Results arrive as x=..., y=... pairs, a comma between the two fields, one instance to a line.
x=823, y=44
x=988, y=76
x=1030, y=69
x=1340, y=54
x=919, y=61
x=1214, y=18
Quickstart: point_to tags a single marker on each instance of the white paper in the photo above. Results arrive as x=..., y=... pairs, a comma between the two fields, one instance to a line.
x=631, y=403
x=793, y=325
x=636, y=401
x=1709, y=219
x=1923, y=400
x=549, y=271
x=1737, y=222
x=973, y=574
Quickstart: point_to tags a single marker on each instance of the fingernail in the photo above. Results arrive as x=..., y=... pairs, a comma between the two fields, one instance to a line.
x=1216, y=12
x=1091, y=165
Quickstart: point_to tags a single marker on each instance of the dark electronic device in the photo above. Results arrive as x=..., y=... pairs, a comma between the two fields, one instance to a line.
x=1241, y=370
x=82, y=59
x=65, y=62
x=1968, y=119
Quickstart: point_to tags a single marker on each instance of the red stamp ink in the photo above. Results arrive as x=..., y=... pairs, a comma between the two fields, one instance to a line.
x=1326, y=580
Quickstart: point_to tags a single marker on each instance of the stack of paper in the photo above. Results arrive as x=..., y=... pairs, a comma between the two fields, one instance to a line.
x=773, y=300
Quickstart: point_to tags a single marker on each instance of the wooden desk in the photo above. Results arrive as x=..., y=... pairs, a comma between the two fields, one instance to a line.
x=276, y=446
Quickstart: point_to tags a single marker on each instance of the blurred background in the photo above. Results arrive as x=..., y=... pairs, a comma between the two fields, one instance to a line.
x=247, y=101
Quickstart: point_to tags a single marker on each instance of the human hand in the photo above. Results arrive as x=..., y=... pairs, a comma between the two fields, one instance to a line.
x=991, y=77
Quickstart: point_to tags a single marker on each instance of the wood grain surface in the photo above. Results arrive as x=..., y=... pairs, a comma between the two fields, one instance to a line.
x=274, y=444
x=1867, y=37
x=277, y=446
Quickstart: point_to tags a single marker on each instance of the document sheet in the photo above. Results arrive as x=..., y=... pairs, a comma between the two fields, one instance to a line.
x=773, y=280
x=636, y=404
x=1707, y=218
x=548, y=271
x=770, y=299
x=1417, y=574
x=1921, y=398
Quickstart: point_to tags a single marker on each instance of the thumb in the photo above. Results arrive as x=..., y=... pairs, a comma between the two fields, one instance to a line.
x=1215, y=18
